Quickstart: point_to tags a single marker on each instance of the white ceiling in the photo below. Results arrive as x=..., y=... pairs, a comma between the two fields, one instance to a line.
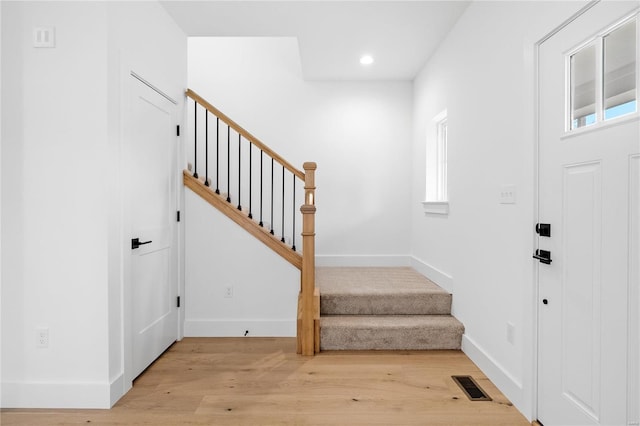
x=332, y=35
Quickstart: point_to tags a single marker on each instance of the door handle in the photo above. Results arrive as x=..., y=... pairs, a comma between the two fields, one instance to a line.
x=543, y=256
x=135, y=243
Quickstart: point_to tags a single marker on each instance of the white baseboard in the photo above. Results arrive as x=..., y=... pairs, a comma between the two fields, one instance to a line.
x=363, y=260
x=443, y=279
x=78, y=395
x=118, y=389
x=237, y=328
x=508, y=385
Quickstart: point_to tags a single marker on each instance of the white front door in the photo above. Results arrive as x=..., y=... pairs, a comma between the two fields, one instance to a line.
x=589, y=140
x=152, y=148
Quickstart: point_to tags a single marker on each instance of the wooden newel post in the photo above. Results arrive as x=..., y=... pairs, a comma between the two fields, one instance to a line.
x=308, y=278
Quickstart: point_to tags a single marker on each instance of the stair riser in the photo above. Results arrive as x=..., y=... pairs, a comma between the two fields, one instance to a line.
x=421, y=304
x=389, y=339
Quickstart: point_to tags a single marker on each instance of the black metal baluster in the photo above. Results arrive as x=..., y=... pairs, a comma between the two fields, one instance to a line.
x=294, y=213
x=272, y=196
x=206, y=147
x=282, y=205
x=261, y=224
x=250, y=174
x=195, y=139
x=228, y=164
x=217, y=155
x=239, y=167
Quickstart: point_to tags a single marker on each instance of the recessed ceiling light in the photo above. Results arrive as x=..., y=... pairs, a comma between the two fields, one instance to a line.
x=366, y=60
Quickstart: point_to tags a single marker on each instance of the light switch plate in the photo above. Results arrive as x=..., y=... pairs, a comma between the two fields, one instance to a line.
x=44, y=37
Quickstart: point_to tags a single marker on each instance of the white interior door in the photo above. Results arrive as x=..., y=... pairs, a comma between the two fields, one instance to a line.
x=152, y=188
x=589, y=140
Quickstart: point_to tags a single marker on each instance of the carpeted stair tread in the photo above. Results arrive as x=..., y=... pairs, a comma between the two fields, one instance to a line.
x=390, y=332
x=379, y=291
x=372, y=280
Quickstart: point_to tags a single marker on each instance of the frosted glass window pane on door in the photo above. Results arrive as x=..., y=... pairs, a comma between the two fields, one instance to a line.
x=583, y=87
x=620, y=96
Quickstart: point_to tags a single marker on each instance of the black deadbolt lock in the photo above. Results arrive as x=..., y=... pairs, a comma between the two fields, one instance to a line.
x=543, y=229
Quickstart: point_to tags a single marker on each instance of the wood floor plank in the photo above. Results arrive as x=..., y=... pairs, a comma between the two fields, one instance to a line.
x=256, y=381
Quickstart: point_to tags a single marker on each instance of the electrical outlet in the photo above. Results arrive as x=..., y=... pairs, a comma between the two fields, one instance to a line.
x=507, y=194
x=511, y=331
x=228, y=292
x=42, y=337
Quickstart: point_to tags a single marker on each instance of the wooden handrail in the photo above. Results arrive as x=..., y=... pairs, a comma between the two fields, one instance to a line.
x=235, y=126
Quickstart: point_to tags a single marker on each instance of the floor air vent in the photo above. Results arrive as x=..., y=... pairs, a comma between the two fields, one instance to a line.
x=471, y=388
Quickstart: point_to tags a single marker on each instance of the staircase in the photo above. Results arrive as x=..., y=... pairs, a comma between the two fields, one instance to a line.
x=355, y=308
x=384, y=309
x=254, y=186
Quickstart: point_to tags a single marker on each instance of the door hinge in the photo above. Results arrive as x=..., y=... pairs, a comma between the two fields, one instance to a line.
x=178, y=130
x=178, y=302
x=178, y=216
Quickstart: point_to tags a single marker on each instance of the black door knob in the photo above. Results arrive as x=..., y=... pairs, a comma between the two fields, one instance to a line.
x=543, y=256
x=135, y=243
x=545, y=301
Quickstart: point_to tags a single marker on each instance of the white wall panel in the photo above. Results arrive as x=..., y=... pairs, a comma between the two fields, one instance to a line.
x=581, y=286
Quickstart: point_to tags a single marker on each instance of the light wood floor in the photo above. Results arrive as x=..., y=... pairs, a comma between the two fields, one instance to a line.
x=256, y=381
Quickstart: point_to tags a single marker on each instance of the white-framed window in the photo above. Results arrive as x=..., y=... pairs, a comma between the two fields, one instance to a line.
x=436, y=197
x=441, y=159
x=602, y=76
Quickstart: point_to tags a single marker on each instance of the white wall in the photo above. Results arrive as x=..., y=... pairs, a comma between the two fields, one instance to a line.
x=358, y=133
x=54, y=143
x=60, y=177
x=219, y=254
x=483, y=75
